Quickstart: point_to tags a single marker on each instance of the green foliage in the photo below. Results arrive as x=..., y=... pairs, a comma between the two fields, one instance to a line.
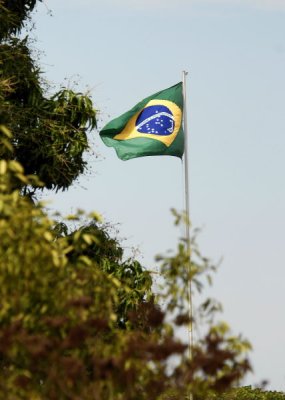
x=134, y=282
x=79, y=322
x=13, y=14
x=53, y=312
x=49, y=133
x=248, y=393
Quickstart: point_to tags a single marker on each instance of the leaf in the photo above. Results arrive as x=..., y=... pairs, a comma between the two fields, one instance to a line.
x=16, y=166
x=3, y=167
x=87, y=238
x=48, y=236
x=6, y=131
x=85, y=260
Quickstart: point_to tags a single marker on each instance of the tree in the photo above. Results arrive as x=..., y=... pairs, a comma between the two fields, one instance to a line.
x=248, y=393
x=77, y=321
x=49, y=133
x=72, y=328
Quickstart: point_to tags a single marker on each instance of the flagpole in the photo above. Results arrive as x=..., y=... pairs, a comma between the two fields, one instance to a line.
x=187, y=214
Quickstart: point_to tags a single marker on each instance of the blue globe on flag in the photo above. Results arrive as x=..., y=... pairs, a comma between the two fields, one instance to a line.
x=156, y=120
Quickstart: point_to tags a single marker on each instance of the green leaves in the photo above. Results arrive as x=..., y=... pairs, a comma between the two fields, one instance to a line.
x=49, y=134
x=79, y=321
x=13, y=15
x=54, y=146
x=248, y=393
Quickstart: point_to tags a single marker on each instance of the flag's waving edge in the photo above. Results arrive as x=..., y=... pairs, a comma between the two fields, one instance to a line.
x=152, y=127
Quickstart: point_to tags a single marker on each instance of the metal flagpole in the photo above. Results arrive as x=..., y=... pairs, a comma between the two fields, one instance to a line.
x=187, y=212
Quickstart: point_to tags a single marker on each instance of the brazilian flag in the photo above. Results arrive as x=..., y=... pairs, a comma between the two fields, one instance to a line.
x=152, y=127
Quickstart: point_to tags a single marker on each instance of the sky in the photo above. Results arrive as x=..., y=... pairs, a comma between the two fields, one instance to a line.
x=234, y=50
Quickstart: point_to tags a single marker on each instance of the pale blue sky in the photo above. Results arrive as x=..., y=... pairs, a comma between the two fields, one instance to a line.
x=235, y=54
